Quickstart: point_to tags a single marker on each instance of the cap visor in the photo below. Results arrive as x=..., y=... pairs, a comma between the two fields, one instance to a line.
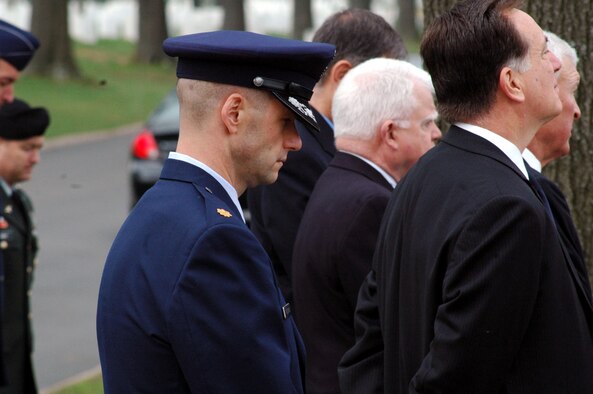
x=300, y=107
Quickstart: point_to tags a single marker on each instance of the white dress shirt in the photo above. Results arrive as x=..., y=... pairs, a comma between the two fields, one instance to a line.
x=507, y=147
x=532, y=160
x=381, y=171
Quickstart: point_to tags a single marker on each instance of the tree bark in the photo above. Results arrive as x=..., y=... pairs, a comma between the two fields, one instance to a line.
x=234, y=14
x=364, y=4
x=302, y=19
x=49, y=22
x=406, y=20
x=570, y=20
x=152, y=32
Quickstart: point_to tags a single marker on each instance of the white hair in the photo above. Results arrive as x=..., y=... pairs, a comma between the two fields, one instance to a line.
x=561, y=49
x=374, y=91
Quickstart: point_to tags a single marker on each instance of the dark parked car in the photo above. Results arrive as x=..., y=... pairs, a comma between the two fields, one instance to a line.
x=152, y=145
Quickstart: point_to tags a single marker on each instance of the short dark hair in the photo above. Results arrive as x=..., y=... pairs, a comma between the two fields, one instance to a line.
x=464, y=51
x=360, y=35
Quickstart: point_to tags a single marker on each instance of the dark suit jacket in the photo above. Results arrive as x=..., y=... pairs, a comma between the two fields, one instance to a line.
x=475, y=293
x=188, y=300
x=332, y=255
x=277, y=209
x=566, y=230
x=18, y=250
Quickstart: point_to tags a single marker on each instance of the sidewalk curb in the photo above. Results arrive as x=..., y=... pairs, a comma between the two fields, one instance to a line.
x=90, y=136
x=72, y=380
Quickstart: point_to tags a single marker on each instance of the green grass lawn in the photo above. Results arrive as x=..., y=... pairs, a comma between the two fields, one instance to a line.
x=92, y=385
x=113, y=91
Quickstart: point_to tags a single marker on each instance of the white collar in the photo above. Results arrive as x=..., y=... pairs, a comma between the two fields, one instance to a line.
x=506, y=146
x=381, y=171
x=532, y=160
x=223, y=182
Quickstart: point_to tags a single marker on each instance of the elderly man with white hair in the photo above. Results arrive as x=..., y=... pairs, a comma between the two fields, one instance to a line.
x=552, y=142
x=384, y=116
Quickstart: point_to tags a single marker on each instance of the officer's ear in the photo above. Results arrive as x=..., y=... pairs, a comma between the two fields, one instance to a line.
x=231, y=112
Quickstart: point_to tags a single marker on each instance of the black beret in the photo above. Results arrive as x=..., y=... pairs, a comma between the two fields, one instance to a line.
x=18, y=121
x=16, y=46
x=288, y=68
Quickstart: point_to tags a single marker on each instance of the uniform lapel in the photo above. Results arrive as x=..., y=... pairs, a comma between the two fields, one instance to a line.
x=13, y=213
x=184, y=172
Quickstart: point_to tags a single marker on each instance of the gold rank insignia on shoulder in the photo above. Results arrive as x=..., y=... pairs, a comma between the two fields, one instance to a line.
x=224, y=212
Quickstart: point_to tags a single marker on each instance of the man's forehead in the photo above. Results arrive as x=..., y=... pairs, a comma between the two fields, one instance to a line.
x=7, y=69
x=527, y=27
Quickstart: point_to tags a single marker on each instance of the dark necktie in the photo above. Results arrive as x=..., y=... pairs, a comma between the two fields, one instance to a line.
x=534, y=180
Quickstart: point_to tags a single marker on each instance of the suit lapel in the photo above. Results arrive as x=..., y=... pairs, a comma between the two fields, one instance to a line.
x=470, y=142
x=574, y=271
x=467, y=141
x=184, y=172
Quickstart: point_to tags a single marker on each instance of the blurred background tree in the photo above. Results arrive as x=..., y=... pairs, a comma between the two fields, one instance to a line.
x=570, y=20
x=364, y=4
x=406, y=21
x=152, y=29
x=303, y=18
x=234, y=14
x=49, y=22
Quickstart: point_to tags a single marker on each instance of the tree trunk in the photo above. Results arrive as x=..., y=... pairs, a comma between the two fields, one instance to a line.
x=570, y=20
x=49, y=22
x=302, y=19
x=234, y=15
x=406, y=20
x=152, y=32
x=364, y=4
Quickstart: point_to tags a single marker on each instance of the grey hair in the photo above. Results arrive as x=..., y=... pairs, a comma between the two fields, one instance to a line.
x=561, y=48
x=376, y=90
x=520, y=64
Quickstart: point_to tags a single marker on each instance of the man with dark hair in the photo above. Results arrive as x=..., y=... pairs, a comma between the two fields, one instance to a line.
x=471, y=285
x=277, y=209
x=21, y=139
x=16, y=50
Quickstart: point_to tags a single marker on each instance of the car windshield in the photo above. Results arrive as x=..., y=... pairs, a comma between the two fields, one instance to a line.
x=166, y=115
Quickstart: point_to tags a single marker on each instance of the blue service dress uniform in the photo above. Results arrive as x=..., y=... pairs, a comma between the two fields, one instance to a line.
x=188, y=300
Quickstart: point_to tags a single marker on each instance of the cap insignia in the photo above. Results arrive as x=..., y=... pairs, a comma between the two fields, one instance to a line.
x=224, y=212
x=258, y=81
x=302, y=108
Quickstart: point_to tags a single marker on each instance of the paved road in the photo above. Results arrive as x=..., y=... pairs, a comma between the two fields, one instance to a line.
x=80, y=196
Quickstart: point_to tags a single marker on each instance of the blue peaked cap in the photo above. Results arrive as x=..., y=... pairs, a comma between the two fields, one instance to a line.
x=287, y=68
x=17, y=46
